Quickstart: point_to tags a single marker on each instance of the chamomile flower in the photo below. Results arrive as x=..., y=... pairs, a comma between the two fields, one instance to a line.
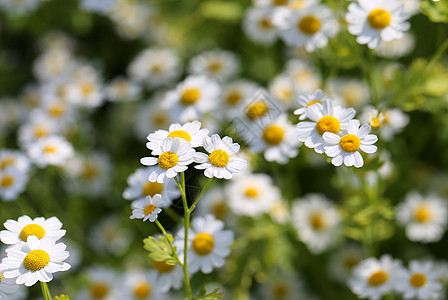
x=420, y=281
x=348, y=92
x=373, y=21
x=102, y=284
x=220, y=163
x=140, y=285
x=12, y=183
x=139, y=187
x=167, y=276
x=344, y=261
x=258, y=26
x=8, y=286
x=196, y=95
x=304, y=75
x=85, y=88
x=208, y=244
x=174, y=156
x=372, y=278
x=252, y=194
x=317, y=222
x=311, y=27
x=110, y=236
x=148, y=208
x=393, y=122
x=411, y=6
x=35, y=260
x=53, y=65
x=214, y=202
x=308, y=100
x=55, y=108
x=20, y=230
x=190, y=132
x=234, y=94
x=122, y=90
x=53, y=150
x=324, y=118
x=283, y=89
x=397, y=48
x=277, y=140
x=425, y=218
x=151, y=117
x=217, y=64
x=37, y=128
x=281, y=287
x=345, y=149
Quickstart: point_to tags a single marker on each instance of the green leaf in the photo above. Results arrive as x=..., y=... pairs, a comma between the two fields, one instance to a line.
x=436, y=11
x=61, y=297
x=221, y=10
x=159, y=249
x=216, y=294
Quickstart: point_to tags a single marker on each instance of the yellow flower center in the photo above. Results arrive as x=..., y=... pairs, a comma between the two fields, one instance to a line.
x=87, y=88
x=309, y=25
x=122, y=87
x=7, y=181
x=418, y=280
x=273, y=134
x=350, y=262
x=257, y=110
x=317, y=221
x=280, y=290
x=32, y=229
x=56, y=110
x=149, y=209
x=215, y=66
x=152, y=188
x=190, y=97
x=180, y=134
x=328, y=124
x=168, y=160
x=219, y=210
x=265, y=23
x=36, y=260
x=313, y=102
x=219, y=158
x=378, y=278
x=160, y=120
x=203, y=243
x=375, y=122
x=49, y=149
x=143, y=290
x=6, y=162
x=90, y=172
x=233, y=98
x=251, y=192
x=297, y=4
x=280, y=2
x=156, y=68
x=40, y=131
x=379, y=18
x=0, y=278
x=162, y=267
x=423, y=214
x=99, y=290
x=350, y=143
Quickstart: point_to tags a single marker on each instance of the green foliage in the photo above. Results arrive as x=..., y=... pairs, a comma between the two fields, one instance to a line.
x=215, y=294
x=159, y=249
x=436, y=11
x=61, y=297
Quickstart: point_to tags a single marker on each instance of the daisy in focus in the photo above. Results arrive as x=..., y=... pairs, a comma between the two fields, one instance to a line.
x=208, y=244
x=373, y=21
x=148, y=208
x=220, y=163
x=190, y=132
x=345, y=149
x=35, y=260
x=424, y=218
x=174, y=156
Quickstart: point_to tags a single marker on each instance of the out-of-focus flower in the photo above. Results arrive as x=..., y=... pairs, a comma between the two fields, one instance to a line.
x=258, y=26
x=102, y=284
x=217, y=64
x=53, y=150
x=110, y=236
x=122, y=90
x=8, y=286
x=344, y=261
x=141, y=285
x=12, y=183
x=348, y=92
x=397, y=48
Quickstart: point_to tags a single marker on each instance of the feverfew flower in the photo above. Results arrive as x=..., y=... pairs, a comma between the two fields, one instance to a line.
x=217, y=64
x=425, y=218
x=8, y=286
x=344, y=261
x=151, y=117
x=122, y=90
x=305, y=76
x=283, y=89
x=148, y=208
x=174, y=156
x=257, y=24
x=308, y=100
x=348, y=92
x=53, y=150
x=397, y=48
x=345, y=149
x=35, y=260
x=102, y=284
x=190, y=132
x=12, y=183
x=233, y=95
x=420, y=281
x=208, y=244
x=373, y=21
x=324, y=118
x=310, y=27
x=139, y=285
x=219, y=163
x=20, y=230
x=167, y=276
x=393, y=122
x=15, y=159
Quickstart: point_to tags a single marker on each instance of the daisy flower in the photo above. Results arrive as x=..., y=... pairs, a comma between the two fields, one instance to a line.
x=208, y=244
x=214, y=202
x=8, y=286
x=393, y=122
x=311, y=27
x=140, y=285
x=190, y=132
x=151, y=117
x=425, y=218
x=348, y=92
x=252, y=194
x=397, y=48
x=102, y=284
x=258, y=26
x=20, y=230
x=344, y=261
x=277, y=141
x=37, y=128
x=324, y=118
x=345, y=149
x=304, y=75
x=217, y=64
x=373, y=21
x=219, y=163
x=110, y=236
x=420, y=281
x=139, y=187
x=174, y=156
x=35, y=260
x=167, y=276
x=283, y=89
x=53, y=150
x=308, y=100
x=53, y=64
x=122, y=90
x=12, y=183
x=234, y=94
x=148, y=208
x=317, y=222
x=85, y=88
x=196, y=95
x=372, y=278
x=282, y=287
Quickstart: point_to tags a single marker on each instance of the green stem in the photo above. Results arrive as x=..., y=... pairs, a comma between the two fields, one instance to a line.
x=45, y=291
x=169, y=241
x=193, y=206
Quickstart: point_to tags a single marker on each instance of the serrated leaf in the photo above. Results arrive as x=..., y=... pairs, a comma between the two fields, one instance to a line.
x=216, y=294
x=159, y=249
